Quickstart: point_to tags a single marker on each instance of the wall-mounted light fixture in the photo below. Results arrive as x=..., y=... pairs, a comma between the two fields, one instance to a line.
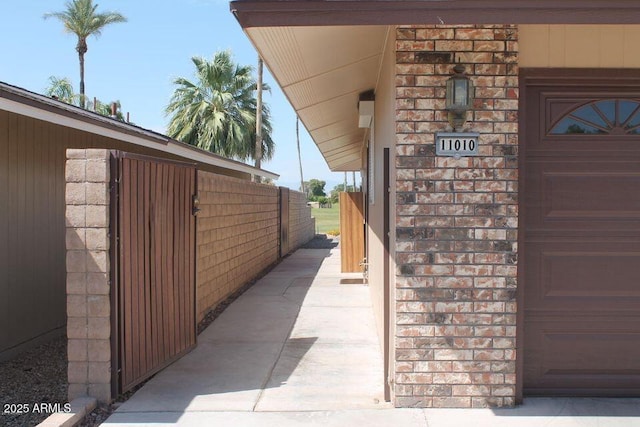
x=459, y=97
x=365, y=113
x=366, y=101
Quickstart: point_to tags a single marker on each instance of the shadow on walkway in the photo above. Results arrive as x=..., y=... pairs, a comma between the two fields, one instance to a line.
x=298, y=340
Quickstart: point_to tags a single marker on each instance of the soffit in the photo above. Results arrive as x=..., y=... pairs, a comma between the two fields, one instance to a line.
x=322, y=71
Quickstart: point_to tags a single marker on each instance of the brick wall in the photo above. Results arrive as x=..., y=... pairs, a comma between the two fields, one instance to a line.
x=456, y=222
x=237, y=236
x=302, y=226
x=87, y=243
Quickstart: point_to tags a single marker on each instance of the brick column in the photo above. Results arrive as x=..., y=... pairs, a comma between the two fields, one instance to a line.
x=88, y=286
x=456, y=221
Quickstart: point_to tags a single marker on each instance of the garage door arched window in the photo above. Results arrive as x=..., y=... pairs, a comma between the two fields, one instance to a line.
x=606, y=117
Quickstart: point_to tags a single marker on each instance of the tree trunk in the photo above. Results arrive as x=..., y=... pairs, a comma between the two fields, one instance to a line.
x=81, y=58
x=299, y=156
x=258, y=153
x=82, y=49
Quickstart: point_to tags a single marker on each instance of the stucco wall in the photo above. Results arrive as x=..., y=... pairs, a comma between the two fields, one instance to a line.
x=579, y=46
x=382, y=136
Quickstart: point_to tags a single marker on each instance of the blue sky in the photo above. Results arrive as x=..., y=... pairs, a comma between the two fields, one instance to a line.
x=136, y=62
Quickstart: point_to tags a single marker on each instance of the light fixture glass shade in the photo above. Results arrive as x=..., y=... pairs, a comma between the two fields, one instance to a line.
x=459, y=97
x=459, y=91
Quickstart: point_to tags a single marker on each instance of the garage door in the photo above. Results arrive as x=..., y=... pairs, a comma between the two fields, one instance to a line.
x=581, y=237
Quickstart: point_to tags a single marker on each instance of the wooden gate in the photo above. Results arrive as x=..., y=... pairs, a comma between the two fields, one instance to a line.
x=153, y=263
x=352, y=232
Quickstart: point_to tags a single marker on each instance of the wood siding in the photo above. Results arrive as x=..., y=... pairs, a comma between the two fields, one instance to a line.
x=32, y=232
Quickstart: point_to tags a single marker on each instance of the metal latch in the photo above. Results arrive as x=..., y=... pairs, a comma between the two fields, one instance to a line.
x=195, y=205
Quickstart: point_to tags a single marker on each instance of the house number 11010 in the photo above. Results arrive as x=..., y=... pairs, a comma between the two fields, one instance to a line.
x=457, y=144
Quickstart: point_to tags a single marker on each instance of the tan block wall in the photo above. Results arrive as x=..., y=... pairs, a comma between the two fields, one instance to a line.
x=237, y=236
x=302, y=226
x=456, y=223
x=87, y=265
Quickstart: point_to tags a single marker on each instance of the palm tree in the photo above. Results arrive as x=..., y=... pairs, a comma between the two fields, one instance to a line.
x=61, y=89
x=217, y=112
x=258, y=144
x=81, y=19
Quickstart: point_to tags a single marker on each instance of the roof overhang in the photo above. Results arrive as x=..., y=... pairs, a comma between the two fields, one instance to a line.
x=323, y=71
x=324, y=53
x=270, y=13
x=23, y=102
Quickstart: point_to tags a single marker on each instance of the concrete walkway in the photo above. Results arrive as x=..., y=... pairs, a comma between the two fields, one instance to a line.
x=299, y=348
x=298, y=340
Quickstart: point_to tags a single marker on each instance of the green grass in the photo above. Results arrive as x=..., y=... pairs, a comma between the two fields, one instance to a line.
x=327, y=219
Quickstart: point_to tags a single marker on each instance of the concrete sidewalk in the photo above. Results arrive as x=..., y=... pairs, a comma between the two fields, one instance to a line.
x=300, y=348
x=298, y=340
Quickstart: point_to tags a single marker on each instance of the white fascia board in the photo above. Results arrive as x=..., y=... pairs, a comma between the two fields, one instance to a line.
x=167, y=146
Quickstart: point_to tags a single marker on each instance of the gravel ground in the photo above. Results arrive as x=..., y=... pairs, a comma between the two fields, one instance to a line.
x=34, y=377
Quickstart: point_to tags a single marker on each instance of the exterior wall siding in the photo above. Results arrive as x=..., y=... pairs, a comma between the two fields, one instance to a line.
x=579, y=46
x=382, y=136
x=32, y=233
x=237, y=236
x=456, y=222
